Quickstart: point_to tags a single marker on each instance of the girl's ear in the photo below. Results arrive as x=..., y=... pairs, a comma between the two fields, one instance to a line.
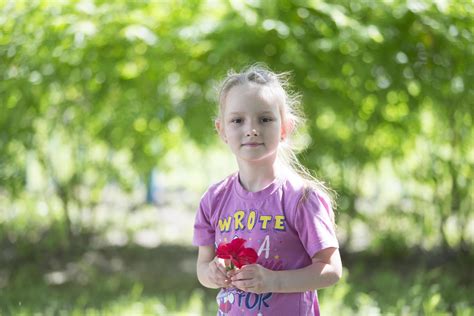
x=287, y=128
x=220, y=130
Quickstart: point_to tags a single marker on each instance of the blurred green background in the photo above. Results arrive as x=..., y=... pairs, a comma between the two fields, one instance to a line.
x=107, y=143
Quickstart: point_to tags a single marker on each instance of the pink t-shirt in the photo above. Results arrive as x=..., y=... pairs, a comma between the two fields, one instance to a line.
x=286, y=235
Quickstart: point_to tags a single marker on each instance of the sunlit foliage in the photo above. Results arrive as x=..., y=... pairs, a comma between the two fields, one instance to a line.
x=99, y=92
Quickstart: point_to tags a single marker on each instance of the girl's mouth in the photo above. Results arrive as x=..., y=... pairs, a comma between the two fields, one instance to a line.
x=252, y=144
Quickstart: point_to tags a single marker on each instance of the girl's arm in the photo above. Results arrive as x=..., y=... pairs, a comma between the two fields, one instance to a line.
x=325, y=271
x=210, y=272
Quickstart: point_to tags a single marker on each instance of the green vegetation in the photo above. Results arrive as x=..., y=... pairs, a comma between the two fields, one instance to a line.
x=162, y=281
x=95, y=95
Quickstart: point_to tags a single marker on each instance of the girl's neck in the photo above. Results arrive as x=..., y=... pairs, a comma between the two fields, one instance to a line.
x=255, y=177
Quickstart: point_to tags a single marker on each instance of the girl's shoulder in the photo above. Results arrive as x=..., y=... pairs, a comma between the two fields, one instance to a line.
x=299, y=191
x=219, y=188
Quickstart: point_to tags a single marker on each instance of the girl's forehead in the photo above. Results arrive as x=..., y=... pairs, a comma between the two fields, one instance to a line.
x=250, y=97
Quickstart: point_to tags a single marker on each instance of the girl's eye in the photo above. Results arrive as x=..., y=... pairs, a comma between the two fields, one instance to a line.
x=236, y=121
x=267, y=119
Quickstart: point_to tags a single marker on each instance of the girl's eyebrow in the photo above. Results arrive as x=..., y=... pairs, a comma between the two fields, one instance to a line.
x=240, y=113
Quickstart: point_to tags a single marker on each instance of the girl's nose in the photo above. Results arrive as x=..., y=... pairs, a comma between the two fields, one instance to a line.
x=253, y=132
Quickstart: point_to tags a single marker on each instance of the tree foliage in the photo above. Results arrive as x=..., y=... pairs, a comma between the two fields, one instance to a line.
x=116, y=84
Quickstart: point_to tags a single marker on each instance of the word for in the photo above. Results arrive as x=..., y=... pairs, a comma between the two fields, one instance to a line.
x=253, y=300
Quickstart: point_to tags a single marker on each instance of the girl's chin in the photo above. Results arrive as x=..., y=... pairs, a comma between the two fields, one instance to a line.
x=256, y=158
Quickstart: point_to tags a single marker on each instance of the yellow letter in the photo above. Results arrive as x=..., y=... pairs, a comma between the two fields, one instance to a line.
x=238, y=216
x=251, y=220
x=224, y=225
x=265, y=219
x=279, y=222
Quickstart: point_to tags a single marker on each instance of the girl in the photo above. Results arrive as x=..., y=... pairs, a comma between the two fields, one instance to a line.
x=272, y=202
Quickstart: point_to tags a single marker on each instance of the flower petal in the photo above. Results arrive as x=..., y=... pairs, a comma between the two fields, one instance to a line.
x=247, y=256
x=237, y=243
x=237, y=263
x=223, y=251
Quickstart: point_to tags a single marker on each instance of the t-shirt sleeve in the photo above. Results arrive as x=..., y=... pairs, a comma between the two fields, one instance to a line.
x=314, y=224
x=203, y=229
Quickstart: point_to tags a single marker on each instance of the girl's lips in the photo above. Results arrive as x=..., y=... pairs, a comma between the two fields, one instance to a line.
x=252, y=144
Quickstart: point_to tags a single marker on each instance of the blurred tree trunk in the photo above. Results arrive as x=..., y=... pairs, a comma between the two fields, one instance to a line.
x=63, y=192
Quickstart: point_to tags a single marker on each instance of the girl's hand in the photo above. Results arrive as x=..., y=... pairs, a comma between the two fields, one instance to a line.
x=217, y=273
x=254, y=278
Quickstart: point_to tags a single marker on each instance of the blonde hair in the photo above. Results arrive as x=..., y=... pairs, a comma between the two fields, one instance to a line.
x=291, y=116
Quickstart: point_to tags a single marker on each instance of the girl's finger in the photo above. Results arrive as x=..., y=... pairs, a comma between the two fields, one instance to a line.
x=244, y=275
x=222, y=271
x=218, y=263
x=243, y=285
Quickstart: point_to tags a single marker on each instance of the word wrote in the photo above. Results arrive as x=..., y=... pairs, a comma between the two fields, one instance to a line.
x=241, y=220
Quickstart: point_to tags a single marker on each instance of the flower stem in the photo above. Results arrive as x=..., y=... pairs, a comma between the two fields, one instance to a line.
x=231, y=267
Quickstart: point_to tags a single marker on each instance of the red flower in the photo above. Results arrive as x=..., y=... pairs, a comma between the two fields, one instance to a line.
x=237, y=253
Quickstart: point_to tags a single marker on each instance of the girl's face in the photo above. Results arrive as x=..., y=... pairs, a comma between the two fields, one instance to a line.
x=251, y=123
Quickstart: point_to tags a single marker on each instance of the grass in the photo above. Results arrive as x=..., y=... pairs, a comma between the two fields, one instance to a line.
x=418, y=284
x=112, y=281
x=133, y=280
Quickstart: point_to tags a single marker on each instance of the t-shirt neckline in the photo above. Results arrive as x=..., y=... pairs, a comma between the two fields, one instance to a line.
x=247, y=195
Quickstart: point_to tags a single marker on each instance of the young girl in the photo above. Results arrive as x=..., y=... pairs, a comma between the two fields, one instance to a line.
x=272, y=202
